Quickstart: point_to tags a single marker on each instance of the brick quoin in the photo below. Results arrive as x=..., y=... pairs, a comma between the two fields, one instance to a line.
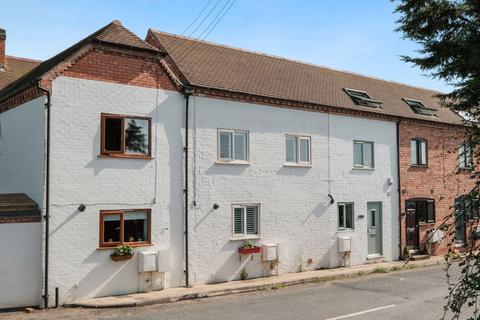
x=442, y=180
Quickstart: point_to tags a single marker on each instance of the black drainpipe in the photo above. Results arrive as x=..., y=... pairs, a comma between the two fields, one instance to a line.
x=47, y=191
x=187, y=92
x=399, y=193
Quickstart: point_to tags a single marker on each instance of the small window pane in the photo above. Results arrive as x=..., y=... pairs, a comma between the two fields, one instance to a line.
x=341, y=216
x=240, y=146
x=111, y=228
x=357, y=154
x=423, y=152
x=113, y=134
x=422, y=211
x=413, y=150
x=136, y=136
x=135, y=226
x=304, y=150
x=238, y=222
x=372, y=218
x=430, y=211
x=225, y=145
x=252, y=220
x=349, y=216
x=367, y=155
x=291, y=149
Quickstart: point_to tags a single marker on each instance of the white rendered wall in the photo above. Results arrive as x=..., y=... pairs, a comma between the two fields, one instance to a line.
x=295, y=210
x=79, y=176
x=22, y=150
x=20, y=268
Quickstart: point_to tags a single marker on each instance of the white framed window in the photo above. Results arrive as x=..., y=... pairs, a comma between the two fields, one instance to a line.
x=245, y=220
x=298, y=150
x=345, y=216
x=465, y=156
x=419, y=152
x=233, y=145
x=363, y=154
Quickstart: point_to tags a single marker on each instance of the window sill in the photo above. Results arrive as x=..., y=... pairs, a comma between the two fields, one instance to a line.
x=426, y=223
x=465, y=169
x=419, y=165
x=131, y=245
x=364, y=168
x=459, y=245
x=234, y=162
x=125, y=156
x=297, y=165
x=246, y=238
x=345, y=230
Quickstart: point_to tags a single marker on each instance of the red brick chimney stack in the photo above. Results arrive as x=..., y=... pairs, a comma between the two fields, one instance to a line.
x=3, y=38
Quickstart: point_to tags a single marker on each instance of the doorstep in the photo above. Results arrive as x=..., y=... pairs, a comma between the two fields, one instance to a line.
x=232, y=287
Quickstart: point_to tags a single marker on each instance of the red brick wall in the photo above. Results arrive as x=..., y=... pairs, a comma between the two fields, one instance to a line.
x=442, y=180
x=120, y=68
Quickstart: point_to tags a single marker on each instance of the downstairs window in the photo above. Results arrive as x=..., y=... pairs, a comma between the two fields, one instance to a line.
x=125, y=226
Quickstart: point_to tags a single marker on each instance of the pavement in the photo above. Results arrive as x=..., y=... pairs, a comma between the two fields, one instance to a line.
x=411, y=293
x=232, y=287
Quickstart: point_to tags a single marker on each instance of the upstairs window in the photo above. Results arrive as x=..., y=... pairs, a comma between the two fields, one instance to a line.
x=424, y=209
x=245, y=221
x=465, y=156
x=363, y=154
x=232, y=145
x=362, y=98
x=125, y=136
x=419, y=152
x=125, y=226
x=297, y=150
x=419, y=108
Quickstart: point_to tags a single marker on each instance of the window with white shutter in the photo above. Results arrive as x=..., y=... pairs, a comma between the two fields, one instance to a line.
x=297, y=150
x=245, y=221
x=232, y=146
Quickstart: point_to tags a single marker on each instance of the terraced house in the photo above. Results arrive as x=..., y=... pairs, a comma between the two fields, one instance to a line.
x=213, y=163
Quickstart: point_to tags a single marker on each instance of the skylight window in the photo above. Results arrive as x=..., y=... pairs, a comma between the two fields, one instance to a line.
x=419, y=107
x=362, y=98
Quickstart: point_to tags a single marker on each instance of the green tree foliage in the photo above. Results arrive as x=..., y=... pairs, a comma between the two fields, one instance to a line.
x=448, y=33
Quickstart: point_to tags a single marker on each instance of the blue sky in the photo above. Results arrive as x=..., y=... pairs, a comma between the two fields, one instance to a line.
x=352, y=35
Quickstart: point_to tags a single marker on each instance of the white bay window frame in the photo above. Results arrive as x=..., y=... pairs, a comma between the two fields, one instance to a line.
x=232, y=156
x=297, y=158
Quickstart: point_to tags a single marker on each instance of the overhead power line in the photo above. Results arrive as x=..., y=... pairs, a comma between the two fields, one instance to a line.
x=208, y=30
x=197, y=17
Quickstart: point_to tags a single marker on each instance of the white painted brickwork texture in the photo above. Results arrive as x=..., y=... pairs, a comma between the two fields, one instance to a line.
x=22, y=150
x=79, y=176
x=295, y=210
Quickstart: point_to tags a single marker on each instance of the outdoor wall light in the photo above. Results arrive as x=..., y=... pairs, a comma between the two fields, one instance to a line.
x=216, y=206
x=81, y=208
x=331, y=199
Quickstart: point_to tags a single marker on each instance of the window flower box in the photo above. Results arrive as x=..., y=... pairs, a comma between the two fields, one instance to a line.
x=121, y=258
x=123, y=252
x=245, y=250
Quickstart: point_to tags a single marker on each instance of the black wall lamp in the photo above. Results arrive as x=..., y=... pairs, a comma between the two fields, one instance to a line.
x=332, y=201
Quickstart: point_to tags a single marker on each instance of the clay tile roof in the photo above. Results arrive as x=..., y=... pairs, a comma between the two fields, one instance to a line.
x=15, y=68
x=216, y=66
x=113, y=33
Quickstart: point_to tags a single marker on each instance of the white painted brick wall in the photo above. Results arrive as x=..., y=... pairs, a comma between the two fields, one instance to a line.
x=79, y=176
x=295, y=209
x=22, y=150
